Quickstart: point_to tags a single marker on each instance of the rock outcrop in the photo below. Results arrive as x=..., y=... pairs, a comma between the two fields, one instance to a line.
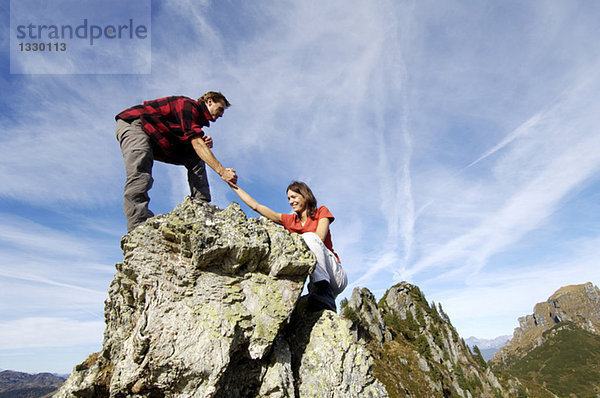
x=579, y=304
x=206, y=304
x=417, y=351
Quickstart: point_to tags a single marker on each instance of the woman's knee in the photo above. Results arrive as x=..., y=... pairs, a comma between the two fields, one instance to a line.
x=311, y=237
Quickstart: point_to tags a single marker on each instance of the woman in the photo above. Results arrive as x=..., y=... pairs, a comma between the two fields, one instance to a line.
x=329, y=278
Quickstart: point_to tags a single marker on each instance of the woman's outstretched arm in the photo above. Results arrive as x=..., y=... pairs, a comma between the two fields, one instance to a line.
x=257, y=207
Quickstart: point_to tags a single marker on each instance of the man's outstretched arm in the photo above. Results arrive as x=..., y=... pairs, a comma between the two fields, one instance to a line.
x=204, y=152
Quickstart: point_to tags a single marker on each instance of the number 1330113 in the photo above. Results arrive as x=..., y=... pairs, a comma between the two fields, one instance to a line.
x=39, y=47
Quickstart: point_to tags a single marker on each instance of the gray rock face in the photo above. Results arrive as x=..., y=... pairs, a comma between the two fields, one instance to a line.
x=201, y=307
x=331, y=364
x=372, y=325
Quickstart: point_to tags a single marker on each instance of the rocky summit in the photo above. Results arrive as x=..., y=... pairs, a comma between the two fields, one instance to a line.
x=579, y=304
x=206, y=303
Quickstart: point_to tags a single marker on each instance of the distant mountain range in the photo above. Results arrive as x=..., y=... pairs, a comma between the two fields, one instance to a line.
x=488, y=347
x=24, y=385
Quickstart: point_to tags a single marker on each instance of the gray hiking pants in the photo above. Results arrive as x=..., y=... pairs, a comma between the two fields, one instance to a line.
x=138, y=155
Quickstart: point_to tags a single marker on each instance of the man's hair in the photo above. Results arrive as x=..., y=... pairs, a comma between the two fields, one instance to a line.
x=215, y=96
x=303, y=189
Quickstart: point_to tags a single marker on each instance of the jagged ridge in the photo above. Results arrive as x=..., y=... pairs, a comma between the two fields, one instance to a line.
x=418, y=353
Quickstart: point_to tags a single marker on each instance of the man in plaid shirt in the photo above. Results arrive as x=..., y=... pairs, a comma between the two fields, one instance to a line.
x=169, y=130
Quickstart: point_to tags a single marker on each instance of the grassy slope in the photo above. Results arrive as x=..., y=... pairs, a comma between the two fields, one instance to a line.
x=568, y=362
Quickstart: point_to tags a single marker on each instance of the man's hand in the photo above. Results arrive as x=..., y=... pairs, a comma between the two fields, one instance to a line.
x=208, y=141
x=230, y=177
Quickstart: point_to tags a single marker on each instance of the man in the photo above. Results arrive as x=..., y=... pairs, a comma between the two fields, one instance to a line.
x=169, y=130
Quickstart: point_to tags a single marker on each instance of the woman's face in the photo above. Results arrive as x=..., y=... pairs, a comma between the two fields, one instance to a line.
x=297, y=201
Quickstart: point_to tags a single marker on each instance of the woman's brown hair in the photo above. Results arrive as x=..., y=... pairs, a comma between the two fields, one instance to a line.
x=303, y=189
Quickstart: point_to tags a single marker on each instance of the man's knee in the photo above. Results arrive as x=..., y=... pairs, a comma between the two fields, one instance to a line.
x=138, y=161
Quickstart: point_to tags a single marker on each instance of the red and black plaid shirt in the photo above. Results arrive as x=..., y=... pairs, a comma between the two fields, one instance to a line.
x=170, y=121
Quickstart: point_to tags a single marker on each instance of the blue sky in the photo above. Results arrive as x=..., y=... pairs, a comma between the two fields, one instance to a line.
x=456, y=142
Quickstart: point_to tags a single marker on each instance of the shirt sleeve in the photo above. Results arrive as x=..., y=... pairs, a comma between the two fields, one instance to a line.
x=323, y=212
x=188, y=115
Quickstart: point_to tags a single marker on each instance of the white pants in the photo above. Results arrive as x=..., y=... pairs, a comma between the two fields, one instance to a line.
x=328, y=268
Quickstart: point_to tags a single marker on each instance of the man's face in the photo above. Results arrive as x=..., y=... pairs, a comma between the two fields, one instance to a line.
x=215, y=108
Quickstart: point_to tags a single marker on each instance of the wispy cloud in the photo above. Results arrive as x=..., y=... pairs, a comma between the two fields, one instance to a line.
x=25, y=236
x=502, y=297
x=557, y=156
x=24, y=274
x=64, y=155
x=43, y=268
x=48, y=332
